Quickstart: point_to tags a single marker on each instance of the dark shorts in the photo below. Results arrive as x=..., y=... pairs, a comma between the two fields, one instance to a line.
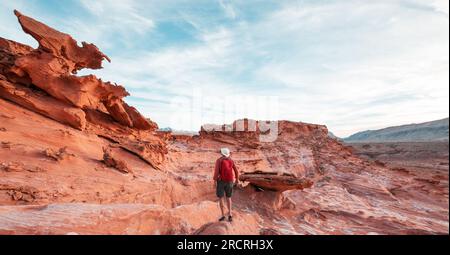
x=224, y=188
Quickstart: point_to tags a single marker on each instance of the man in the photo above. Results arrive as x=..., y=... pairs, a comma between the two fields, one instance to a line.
x=224, y=180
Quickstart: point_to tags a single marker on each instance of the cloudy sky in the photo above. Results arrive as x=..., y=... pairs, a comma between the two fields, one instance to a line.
x=350, y=64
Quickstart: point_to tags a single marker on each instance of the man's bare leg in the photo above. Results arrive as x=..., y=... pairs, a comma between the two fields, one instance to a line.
x=221, y=206
x=229, y=206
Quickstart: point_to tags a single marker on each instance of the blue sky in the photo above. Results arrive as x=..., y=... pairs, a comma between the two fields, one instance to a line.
x=351, y=64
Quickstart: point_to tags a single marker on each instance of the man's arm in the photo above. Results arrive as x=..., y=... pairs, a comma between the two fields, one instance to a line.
x=216, y=171
x=236, y=172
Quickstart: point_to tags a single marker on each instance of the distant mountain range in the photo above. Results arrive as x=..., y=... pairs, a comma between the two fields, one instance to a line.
x=428, y=131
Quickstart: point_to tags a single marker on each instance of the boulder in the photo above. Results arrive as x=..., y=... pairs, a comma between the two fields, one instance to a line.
x=276, y=182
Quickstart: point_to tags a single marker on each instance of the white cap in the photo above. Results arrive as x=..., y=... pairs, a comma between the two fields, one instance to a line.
x=225, y=152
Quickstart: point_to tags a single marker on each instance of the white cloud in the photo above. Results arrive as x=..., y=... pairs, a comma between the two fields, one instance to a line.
x=110, y=23
x=124, y=13
x=174, y=72
x=10, y=28
x=439, y=5
x=379, y=65
x=228, y=8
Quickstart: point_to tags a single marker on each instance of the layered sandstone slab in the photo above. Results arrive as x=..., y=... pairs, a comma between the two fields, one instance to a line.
x=43, y=104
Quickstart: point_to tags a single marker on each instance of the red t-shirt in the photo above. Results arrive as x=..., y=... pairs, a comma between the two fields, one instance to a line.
x=224, y=169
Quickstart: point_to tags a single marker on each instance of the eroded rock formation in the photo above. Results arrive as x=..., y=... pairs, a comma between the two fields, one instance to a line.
x=43, y=80
x=52, y=68
x=43, y=104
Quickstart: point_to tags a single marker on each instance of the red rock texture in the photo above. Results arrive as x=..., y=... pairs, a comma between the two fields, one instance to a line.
x=43, y=104
x=126, y=219
x=76, y=159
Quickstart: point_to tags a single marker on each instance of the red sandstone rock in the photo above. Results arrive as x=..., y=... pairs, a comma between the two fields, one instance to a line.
x=58, y=155
x=9, y=52
x=14, y=47
x=43, y=104
x=138, y=121
x=62, y=45
x=51, y=68
x=110, y=160
x=275, y=182
x=94, y=219
x=241, y=225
